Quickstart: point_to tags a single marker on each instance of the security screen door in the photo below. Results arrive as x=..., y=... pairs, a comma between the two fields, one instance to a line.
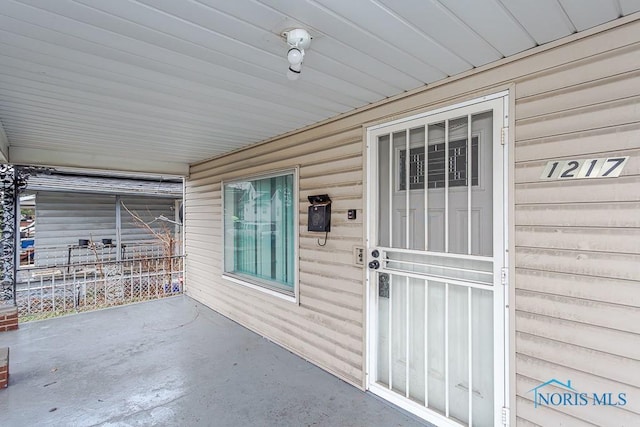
x=436, y=243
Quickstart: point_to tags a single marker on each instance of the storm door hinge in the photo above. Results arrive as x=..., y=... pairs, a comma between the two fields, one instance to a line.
x=504, y=136
x=505, y=416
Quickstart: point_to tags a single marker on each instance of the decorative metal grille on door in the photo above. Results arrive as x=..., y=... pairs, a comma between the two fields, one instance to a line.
x=434, y=294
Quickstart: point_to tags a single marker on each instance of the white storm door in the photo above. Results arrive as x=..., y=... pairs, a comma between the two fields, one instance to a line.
x=436, y=243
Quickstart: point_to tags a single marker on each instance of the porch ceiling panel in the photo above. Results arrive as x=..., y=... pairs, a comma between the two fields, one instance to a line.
x=170, y=82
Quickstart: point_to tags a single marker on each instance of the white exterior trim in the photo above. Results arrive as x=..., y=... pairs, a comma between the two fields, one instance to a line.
x=501, y=291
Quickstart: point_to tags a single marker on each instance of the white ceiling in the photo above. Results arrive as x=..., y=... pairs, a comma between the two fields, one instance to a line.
x=157, y=84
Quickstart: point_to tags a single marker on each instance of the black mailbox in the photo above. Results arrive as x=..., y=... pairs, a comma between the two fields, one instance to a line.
x=319, y=213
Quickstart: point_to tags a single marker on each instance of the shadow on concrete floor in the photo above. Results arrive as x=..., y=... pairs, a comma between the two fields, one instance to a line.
x=171, y=362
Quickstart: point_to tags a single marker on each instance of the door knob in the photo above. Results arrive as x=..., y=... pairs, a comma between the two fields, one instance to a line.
x=374, y=265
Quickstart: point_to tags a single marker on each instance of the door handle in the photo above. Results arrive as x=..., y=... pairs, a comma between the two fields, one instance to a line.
x=374, y=265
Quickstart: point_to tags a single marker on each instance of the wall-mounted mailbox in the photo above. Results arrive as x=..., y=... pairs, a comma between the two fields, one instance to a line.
x=319, y=213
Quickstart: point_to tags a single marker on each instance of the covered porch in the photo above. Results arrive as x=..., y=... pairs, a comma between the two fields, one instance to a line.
x=171, y=362
x=226, y=96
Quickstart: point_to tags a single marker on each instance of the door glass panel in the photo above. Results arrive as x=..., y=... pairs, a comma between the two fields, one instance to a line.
x=384, y=304
x=459, y=181
x=401, y=303
x=385, y=157
x=455, y=175
x=436, y=346
x=436, y=164
x=401, y=310
x=417, y=333
x=415, y=168
x=458, y=336
x=402, y=219
x=398, y=334
x=457, y=185
x=482, y=190
x=482, y=350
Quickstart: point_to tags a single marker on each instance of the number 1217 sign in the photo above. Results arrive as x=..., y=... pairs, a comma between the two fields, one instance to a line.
x=608, y=167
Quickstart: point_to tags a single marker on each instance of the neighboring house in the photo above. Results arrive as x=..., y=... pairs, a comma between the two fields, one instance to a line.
x=70, y=208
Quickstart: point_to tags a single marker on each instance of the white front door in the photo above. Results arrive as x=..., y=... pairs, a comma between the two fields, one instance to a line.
x=436, y=243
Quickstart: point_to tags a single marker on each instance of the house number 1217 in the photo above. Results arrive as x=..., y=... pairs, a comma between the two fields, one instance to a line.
x=608, y=167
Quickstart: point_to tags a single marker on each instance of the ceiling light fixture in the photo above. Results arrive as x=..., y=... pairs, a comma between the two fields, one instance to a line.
x=298, y=40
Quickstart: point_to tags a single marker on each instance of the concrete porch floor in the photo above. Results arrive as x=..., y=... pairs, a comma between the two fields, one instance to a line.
x=171, y=362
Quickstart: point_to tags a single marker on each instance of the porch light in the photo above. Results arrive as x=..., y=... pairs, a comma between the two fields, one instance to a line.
x=295, y=56
x=298, y=40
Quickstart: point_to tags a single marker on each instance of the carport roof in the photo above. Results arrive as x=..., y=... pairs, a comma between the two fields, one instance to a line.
x=153, y=85
x=96, y=184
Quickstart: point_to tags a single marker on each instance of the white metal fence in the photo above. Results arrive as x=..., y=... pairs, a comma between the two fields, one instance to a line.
x=48, y=256
x=53, y=290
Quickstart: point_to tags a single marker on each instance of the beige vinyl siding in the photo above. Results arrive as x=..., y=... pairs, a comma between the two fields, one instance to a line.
x=577, y=252
x=577, y=242
x=326, y=326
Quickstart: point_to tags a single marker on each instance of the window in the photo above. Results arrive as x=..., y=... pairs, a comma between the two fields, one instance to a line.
x=259, y=232
x=456, y=165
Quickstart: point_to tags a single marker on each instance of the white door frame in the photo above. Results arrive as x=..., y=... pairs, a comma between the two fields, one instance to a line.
x=500, y=103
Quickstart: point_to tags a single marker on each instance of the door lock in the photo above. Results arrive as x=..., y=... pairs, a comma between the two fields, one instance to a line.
x=383, y=285
x=374, y=265
x=375, y=253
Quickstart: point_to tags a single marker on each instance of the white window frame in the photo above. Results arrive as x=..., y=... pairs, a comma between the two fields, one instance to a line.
x=256, y=284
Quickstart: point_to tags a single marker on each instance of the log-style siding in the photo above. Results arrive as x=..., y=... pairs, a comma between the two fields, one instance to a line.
x=326, y=326
x=576, y=243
